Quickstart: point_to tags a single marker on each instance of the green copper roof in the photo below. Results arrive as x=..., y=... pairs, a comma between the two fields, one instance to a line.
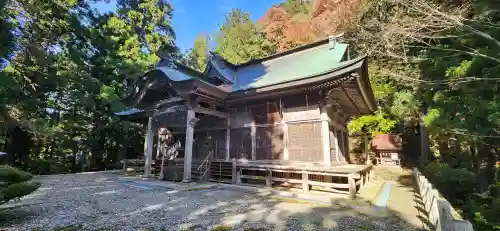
x=290, y=67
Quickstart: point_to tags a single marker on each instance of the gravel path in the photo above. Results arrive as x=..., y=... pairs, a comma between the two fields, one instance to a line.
x=101, y=201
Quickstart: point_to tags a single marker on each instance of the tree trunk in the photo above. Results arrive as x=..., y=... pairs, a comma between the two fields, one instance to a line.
x=424, y=145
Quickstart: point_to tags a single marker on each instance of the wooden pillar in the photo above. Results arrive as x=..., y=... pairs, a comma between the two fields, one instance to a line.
x=188, y=147
x=253, y=133
x=159, y=147
x=305, y=181
x=325, y=136
x=233, y=172
x=341, y=145
x=352, y=186
x=363, y=176
x=269, y=176
x=148, y=148
x=228, y=135
x=424, y=144
x=336, y=143
x=286, y=155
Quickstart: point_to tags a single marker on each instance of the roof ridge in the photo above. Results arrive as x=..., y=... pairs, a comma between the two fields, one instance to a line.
x=284, y=53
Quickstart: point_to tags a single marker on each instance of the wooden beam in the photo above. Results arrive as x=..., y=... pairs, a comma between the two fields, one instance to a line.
x=188, y=147
x=211, y=112
x=350, y=99
x=335, y=124
x=171, y=109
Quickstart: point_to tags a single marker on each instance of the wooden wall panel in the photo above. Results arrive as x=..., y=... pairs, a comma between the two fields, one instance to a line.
x=269, y=143
x=240, y=145
x=209, y=141
x=240, y=119
x=305, y=142
x=300, y=107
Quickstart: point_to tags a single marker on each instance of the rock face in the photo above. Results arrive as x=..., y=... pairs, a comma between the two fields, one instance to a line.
x=324, y=18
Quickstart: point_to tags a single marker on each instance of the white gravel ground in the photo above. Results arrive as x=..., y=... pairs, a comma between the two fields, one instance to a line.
x=101, y=201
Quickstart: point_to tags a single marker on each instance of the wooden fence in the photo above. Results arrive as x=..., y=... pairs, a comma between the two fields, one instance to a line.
x=441, y=214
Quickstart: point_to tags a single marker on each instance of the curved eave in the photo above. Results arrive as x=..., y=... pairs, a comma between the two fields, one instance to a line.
x=365, y=88
x=181, y=80
x=134, y=114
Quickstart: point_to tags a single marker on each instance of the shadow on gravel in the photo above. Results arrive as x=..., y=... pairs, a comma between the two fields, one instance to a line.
x=210, y=209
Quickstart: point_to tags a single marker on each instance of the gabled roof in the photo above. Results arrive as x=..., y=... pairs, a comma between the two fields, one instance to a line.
x=301, y=62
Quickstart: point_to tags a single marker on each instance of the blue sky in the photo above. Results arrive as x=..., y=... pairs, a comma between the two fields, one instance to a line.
x=192, y=17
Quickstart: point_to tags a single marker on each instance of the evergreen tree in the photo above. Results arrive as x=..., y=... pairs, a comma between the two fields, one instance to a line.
x=239, y=40
x=197, y=57
x=68, y=73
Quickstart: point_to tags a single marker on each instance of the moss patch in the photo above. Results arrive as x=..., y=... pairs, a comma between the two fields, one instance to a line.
x=222, y=228
x=69, y=228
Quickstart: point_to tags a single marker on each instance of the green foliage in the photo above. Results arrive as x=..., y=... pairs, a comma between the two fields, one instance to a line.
x=239, y=39
x=10, y=175
x=222, y=228
x=15, y=183
x=197, y=57
x=294, y=7
x=6, y=37
x=454, y=183
x=484, y=213
x=404, y=105
x=375, y=124
x=67, y=76
x=46, y=167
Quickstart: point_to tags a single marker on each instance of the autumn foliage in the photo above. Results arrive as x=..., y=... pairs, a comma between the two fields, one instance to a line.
x=288, y=28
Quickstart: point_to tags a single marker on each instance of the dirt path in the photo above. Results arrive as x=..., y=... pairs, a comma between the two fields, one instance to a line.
x=403, y=198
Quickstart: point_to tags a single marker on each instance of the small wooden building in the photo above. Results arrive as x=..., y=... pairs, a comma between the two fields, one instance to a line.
x=281, y=118
x=387, y=148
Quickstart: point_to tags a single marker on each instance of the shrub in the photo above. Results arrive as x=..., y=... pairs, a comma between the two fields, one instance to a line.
x=456, y=184
x=15, y=183
x=45, y=167
x=484, y=213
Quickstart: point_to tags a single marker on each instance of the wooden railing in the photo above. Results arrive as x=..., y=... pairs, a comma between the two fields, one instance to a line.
x=441, y=215
x=306, y=177
x=201, y=171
